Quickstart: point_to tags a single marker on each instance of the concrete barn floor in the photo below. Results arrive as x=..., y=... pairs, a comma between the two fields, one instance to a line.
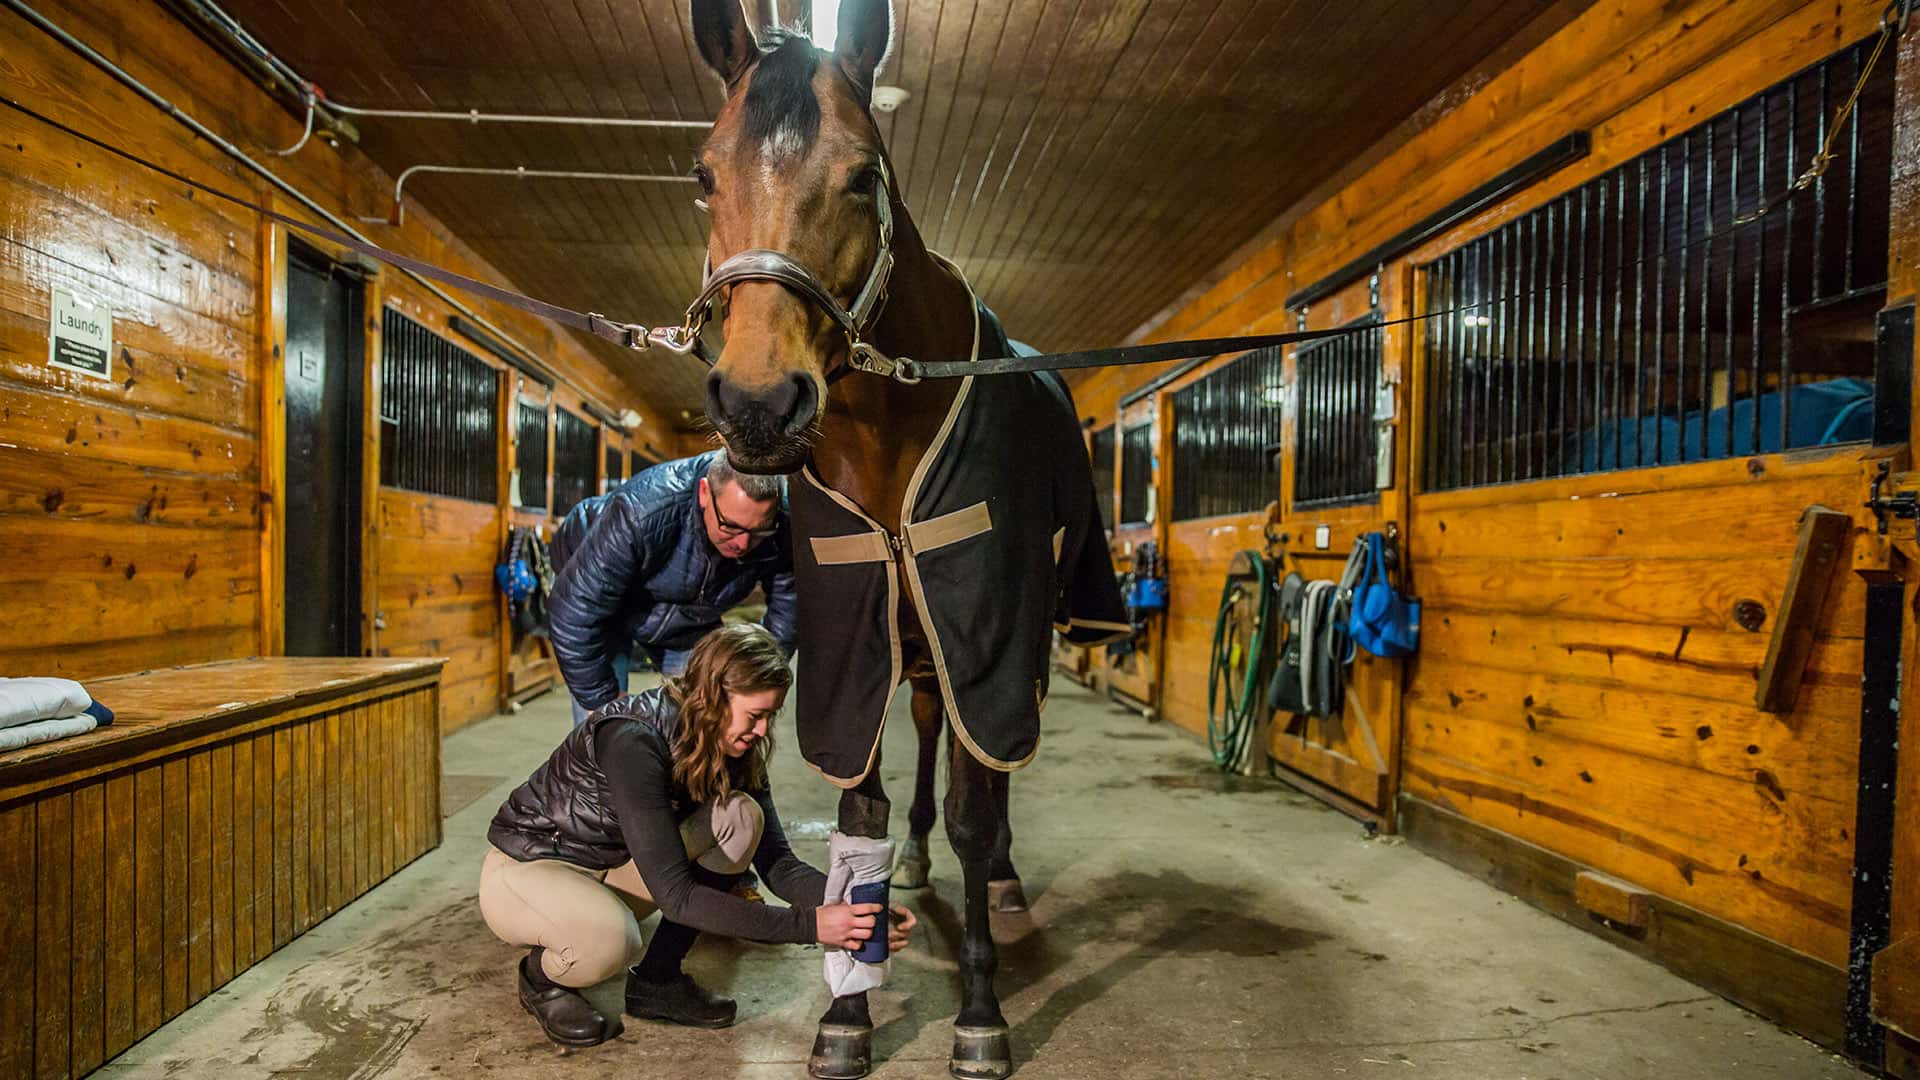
x=1182, y=925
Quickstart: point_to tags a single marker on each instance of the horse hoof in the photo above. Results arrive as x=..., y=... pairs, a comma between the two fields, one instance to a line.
x=915, y=865
x=841, y=1052
x=980, y=1053
x=1006, y=897
x=911, y=873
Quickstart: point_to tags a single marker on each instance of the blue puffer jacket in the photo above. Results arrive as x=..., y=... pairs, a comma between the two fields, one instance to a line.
x=635, y=565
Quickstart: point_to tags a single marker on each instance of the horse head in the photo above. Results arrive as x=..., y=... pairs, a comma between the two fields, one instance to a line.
x=797, y=185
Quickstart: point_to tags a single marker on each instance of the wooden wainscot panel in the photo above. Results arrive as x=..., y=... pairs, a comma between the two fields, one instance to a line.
x=1592, y=658
x=1896, y=987
x=1748, y=850
x=137, y=862
x=437, y=596
x=1197, y=553
x=1792, y=988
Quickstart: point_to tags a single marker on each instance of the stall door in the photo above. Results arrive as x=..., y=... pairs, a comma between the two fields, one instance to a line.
x=1338, y=482
x=322, y=379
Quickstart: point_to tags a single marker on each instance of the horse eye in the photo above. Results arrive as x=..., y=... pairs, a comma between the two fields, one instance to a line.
x=865, y=181
x=705, y=176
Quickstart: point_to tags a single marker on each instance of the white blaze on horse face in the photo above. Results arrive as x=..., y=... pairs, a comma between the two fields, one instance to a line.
x=783, y=144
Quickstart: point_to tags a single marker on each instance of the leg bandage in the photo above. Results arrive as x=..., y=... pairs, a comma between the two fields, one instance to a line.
x=857, y=872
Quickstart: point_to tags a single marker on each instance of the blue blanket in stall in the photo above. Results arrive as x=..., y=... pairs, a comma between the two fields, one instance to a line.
x=1820, y=414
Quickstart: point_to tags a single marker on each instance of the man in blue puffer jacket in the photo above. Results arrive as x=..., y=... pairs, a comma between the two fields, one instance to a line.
x=657, y=561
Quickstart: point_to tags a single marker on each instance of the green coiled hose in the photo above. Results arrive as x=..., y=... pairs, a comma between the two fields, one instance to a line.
x=1231, y=710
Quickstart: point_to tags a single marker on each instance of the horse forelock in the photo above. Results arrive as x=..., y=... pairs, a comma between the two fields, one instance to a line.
x=782, y=113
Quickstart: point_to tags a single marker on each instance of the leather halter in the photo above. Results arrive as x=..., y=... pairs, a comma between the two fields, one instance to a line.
x=760, y=264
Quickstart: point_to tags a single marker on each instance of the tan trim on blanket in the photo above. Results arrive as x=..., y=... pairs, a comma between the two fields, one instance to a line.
x=853, y=548
x=1115, y=631
x=893, y=629
x=964, y=524
x=1059, y=538
x=917, y=590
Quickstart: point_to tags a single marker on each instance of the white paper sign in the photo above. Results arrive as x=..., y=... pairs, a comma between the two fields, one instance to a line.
x=80, y=337
x=1383, y=402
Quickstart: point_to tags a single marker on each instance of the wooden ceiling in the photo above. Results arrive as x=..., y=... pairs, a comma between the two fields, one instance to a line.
x=1085, y=161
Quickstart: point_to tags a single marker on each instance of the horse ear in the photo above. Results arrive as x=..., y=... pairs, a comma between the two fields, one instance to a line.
x=726, y=40
x=864, y=35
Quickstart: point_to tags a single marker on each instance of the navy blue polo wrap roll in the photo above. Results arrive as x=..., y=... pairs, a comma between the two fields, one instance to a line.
x=875, y=949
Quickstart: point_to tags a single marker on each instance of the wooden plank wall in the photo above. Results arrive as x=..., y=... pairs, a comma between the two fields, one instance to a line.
x=128, y=897
x=1583, y=684
x=134, y=509
x=437, y=595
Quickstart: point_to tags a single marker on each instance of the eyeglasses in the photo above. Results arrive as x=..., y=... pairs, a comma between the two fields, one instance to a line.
x=730, y=528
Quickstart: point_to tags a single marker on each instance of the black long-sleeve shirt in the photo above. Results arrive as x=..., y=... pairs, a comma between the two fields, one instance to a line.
x=640, y=784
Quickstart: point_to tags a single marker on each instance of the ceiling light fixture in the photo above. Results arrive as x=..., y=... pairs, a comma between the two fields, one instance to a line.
x=825, y=22
x=888, y=98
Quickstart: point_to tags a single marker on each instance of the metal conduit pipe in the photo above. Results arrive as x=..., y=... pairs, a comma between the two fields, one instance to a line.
x=519, y=172
x=233, y=40
x=153, y=97
x=475, y=116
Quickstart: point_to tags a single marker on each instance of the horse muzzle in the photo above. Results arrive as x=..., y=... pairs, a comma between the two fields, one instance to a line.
x=766, y=428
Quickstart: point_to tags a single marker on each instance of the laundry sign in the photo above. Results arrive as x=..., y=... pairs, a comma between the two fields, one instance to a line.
x=81, y=335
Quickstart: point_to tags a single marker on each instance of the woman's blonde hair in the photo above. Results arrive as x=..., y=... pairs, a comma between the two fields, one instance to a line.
x=738, y=658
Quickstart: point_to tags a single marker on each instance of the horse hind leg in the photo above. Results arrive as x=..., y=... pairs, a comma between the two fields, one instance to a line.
x=843, y=1046
x=1005, y=894
x=916, y=856
x=976, y=803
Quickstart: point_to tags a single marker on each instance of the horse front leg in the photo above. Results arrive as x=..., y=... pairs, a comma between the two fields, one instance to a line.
x=976, y=809
x=843, y=1048
x=916, y=858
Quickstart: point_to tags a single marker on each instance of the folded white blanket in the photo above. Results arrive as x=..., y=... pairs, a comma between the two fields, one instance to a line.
x=39, y=731
x=23, y=701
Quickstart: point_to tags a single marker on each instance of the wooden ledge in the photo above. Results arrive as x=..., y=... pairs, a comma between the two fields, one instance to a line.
x=169, y=710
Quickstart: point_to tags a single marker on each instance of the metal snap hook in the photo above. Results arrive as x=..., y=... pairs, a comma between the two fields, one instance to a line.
x=866, y=358
x=678, y=339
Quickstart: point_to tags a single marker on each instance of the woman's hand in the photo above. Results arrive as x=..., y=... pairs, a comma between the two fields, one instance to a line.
x=844, y=926
x=898, y=931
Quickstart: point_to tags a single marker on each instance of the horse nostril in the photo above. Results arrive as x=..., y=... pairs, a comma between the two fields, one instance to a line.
x=787, y=407
x=805, y=404
x=717, y=388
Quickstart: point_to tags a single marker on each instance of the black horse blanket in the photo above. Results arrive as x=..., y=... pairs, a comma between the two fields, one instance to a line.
x=1002, y=546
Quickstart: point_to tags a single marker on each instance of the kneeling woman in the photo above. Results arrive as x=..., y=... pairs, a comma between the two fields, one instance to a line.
x=658, y=801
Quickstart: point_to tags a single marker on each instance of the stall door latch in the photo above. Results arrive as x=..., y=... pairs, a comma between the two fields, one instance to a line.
x=1899, y=504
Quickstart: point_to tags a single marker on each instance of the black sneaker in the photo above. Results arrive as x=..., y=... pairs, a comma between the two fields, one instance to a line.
x=679, y=1001
x=568, y=1018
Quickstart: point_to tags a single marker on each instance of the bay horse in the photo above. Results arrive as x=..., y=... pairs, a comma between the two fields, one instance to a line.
x=817, y=273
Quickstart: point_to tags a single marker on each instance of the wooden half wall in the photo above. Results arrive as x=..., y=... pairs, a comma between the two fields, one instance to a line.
x=229, y=809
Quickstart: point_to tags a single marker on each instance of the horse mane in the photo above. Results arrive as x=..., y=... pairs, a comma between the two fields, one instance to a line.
x=781, y=109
